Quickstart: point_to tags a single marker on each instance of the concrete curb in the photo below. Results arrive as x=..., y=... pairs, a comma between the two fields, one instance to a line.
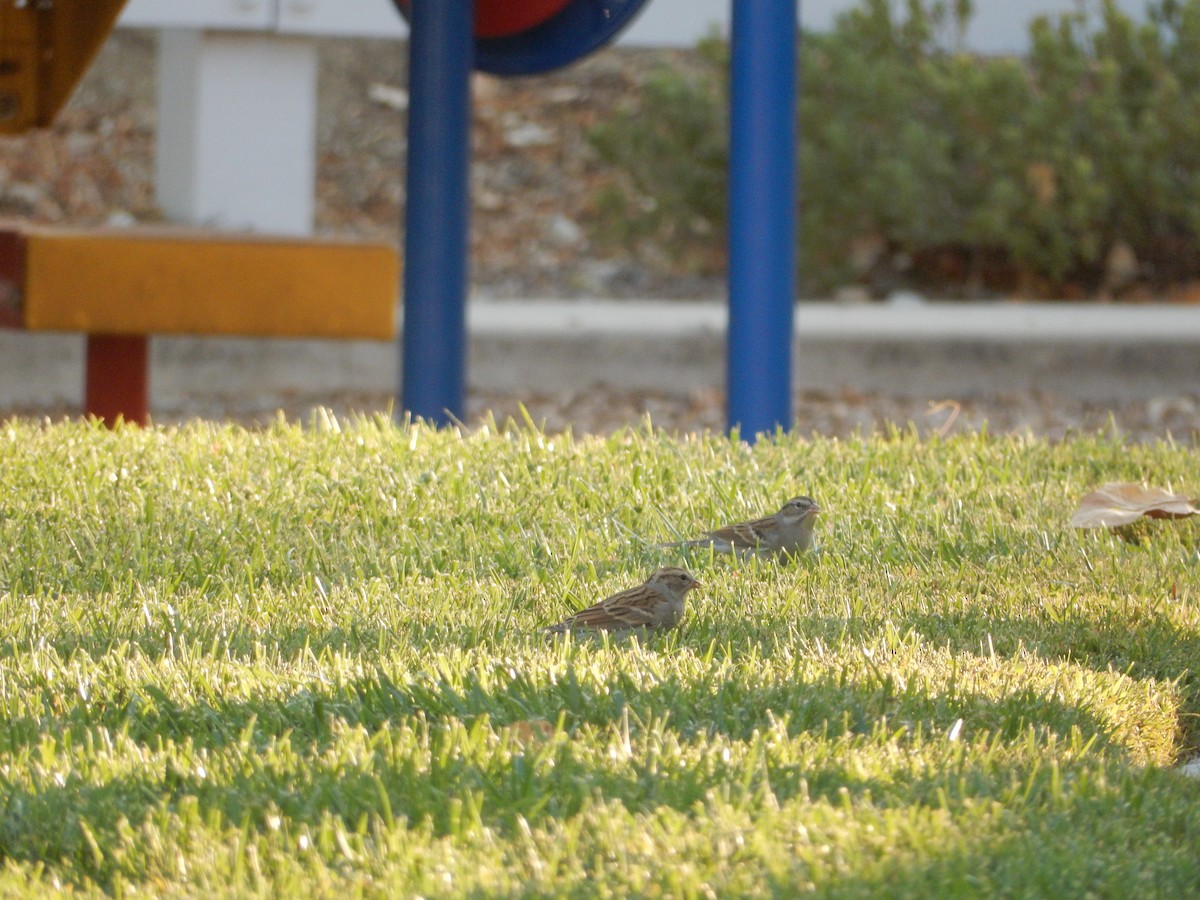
x=1082, y=351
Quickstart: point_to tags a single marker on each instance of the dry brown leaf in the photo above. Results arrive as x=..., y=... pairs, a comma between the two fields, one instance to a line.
x=1121, y=502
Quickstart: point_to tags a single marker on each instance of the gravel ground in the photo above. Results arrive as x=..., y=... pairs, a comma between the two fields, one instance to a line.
x=95, y=166
x=845, y=413
x=603, y=410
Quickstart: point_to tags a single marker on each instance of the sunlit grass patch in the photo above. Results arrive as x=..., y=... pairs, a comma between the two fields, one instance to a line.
x=310, y=661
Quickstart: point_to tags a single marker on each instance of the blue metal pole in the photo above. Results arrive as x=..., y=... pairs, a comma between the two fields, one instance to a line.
x=762, y=214
x=437, y=217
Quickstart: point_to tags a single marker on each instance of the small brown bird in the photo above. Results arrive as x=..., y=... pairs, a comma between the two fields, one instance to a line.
x=655, y=605
x=788, y=531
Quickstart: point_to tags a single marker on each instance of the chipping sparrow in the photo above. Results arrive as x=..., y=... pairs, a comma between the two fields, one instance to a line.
x=788, y=531
x=655, y=605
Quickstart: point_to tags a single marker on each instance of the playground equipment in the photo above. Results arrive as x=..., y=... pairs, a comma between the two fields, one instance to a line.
x=44, y=48
x=444, y=45
x=443, y=49
x=540, y=35
x=762, y=216
x=119, y=287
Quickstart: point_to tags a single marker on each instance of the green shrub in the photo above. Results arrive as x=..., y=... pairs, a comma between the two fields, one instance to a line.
x=921, y=162
x=670, y=159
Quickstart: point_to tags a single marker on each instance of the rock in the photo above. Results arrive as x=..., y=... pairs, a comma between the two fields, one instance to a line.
x=567, y=93
x=905, y=298
x=595, y=276
x=1161, y=409
x=563, y=231
x=386, y=95
x=120, y=218
x=488, y=200
x=521, y=134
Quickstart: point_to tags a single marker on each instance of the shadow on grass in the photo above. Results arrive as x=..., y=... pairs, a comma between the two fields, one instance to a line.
x=248, y=644
x=419, y=755
x=1119, y=832
x=1150, y=648
x=46, y=823
x=719, y=701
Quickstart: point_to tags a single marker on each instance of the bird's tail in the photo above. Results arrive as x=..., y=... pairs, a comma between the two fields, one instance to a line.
x=676, y=545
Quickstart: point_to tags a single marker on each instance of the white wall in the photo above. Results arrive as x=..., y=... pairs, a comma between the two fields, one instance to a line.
x=999, y=26
x=350, y=17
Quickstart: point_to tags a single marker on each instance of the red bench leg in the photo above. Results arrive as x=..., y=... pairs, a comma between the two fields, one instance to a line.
x=115, y=385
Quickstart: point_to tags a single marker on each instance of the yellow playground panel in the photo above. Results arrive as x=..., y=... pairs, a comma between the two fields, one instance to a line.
x=170, y=282
x=44, y=50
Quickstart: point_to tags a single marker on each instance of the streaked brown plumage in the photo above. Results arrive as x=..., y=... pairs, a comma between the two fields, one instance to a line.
x=655, y=605
x=788, y=531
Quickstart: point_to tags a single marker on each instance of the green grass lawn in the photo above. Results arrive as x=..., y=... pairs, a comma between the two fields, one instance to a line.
x=309, y=661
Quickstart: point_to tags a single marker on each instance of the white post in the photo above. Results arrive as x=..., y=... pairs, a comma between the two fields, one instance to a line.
x=237, y=129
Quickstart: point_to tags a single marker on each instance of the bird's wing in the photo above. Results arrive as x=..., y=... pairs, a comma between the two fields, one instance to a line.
x=743, y=534
x=637, y=607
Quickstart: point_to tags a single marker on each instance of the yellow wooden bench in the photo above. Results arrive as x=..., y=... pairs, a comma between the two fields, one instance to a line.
x=119, y=287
